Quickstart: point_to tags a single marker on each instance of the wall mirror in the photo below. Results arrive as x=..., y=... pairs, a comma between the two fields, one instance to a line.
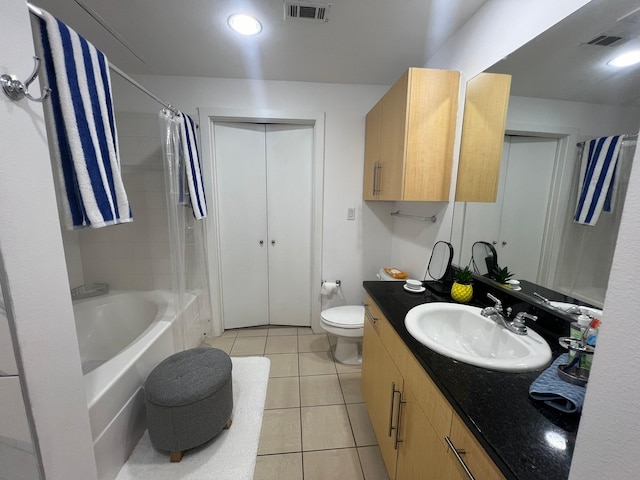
x=563, y=92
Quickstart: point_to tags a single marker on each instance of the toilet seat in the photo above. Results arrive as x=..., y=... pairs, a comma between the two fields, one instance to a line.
x=347, y=316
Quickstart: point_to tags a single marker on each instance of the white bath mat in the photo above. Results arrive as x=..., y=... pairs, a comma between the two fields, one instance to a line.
x=231, y=455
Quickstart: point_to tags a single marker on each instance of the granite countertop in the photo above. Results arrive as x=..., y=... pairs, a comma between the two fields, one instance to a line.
x=525, y=438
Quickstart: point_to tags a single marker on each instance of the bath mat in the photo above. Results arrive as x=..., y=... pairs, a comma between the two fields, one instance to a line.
x=231, y=455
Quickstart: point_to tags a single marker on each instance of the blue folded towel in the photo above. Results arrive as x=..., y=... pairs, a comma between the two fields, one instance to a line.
x=192, y=168
x=597, y=178
x=555, y=392
x=82, y=128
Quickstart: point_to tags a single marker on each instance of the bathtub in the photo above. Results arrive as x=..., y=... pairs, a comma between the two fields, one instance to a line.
x=122, y=336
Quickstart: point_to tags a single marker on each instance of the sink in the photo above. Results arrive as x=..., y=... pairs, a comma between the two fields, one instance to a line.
x=460, y=332
x=592, y=312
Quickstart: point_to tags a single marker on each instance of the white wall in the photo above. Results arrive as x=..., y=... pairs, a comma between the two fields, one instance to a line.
x=34, y=277
x=345, y=106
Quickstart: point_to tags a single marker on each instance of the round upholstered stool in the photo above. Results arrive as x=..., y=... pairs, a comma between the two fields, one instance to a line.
x=189, y=399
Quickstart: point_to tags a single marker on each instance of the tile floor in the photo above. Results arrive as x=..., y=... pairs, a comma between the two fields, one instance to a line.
x=315, y=424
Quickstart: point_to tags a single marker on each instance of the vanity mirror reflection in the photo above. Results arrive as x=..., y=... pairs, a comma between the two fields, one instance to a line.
x=563, y=93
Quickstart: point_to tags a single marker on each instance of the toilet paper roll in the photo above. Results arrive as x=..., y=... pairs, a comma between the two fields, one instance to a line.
x=328, y=288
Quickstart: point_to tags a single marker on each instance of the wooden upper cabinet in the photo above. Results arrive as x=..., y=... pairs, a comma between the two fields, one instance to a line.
x=409, y=138
x=485, y=117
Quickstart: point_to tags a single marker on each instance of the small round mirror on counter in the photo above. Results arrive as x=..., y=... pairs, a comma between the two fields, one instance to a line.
x=483, y=258
x=440, y=261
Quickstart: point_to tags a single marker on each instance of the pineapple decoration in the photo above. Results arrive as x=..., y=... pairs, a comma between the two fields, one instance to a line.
x=462, y=289
x=501, y=275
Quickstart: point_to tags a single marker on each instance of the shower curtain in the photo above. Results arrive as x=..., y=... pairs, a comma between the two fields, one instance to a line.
x=586, y=254
x=188, y=257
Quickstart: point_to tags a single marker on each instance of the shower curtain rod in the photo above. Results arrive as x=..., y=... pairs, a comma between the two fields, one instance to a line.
x=624, y=138
x=38, y=13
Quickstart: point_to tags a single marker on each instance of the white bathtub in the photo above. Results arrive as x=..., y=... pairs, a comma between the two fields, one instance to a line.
x=122, y=336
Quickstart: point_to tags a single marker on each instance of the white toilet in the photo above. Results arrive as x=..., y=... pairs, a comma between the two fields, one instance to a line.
x=347, y=323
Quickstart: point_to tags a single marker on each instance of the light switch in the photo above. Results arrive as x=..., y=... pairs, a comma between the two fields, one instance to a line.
x=351, y=213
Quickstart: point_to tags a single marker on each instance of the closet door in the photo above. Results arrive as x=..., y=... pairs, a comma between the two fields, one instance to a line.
x=526, y=202
x=289, y=158
x=242, y=215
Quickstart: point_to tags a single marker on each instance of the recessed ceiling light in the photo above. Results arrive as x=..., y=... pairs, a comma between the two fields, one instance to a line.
x=626, y=59
x=245, y=24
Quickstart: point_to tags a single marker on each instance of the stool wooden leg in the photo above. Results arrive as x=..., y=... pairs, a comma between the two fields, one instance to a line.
x=227, y=425
x=176, y=456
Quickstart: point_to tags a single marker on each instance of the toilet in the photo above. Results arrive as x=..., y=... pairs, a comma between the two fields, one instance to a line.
x=347, y=324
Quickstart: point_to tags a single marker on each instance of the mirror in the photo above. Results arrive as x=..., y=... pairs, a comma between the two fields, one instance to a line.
x=440, y=262
x=484, y=258
x=562, y=93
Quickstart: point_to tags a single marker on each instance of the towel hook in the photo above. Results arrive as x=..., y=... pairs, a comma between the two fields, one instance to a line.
x=16, y=90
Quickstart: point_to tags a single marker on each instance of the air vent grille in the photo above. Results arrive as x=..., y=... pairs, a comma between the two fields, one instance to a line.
x=605, y=40
x=306, y=10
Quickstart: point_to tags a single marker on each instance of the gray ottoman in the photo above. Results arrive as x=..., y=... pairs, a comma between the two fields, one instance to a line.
x=189, y=399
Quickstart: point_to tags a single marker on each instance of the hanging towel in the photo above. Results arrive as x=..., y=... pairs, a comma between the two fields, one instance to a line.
x=82, y=128
x=192, y=167
x=555, y=392
x=597, y=178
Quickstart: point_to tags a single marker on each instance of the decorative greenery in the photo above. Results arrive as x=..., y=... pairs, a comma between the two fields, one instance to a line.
x=501, y=275
x=464, y=276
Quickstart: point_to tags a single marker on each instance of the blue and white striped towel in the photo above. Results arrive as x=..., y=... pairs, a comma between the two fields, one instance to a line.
x=83, y=129
x=597, y=178
x=192, y=166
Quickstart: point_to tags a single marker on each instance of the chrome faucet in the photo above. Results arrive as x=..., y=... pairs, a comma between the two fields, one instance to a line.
x=496, y=314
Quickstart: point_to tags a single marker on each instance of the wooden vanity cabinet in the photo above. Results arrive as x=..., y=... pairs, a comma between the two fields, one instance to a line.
x=410, y=417
x=409, y=138
x=483, y=129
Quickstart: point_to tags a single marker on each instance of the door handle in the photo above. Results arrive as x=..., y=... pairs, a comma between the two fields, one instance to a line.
x=261, y=242
x=273, y=242
x=504, y=243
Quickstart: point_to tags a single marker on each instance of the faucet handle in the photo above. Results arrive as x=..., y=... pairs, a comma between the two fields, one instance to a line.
x=498, y=303
x=520, y=317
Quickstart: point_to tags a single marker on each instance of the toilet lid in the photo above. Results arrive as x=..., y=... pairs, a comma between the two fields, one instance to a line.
x=349, y=316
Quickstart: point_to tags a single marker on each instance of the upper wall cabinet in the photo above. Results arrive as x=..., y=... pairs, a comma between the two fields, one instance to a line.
x=409, y=138
x=485, y=117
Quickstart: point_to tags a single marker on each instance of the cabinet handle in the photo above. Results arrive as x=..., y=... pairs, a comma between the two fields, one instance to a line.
x=368, y=314
x=457, y=453
x=397, y=440
x=392, y=401
x=376, y=178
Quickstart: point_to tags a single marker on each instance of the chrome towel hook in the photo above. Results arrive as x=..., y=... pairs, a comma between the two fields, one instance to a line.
x=16, y=90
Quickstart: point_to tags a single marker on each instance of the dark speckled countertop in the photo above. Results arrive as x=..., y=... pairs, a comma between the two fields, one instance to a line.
x=525, y=438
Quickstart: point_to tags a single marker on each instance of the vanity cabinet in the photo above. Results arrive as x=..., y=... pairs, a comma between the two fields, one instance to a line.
x=483, y=129
x=412, y=420
x=409, y=136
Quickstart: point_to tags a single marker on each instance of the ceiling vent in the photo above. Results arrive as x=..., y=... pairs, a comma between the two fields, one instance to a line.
x=606, y=40
x=306, y=10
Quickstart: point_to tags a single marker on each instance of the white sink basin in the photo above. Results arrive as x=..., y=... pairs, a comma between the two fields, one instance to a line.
x=461, y=333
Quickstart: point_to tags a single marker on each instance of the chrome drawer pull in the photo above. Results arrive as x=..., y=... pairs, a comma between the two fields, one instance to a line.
x=368, y=313
x=457, y=453
x=392, y=402
x=397, y=440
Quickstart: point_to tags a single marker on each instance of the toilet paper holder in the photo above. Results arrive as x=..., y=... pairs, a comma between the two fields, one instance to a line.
x=338, y=282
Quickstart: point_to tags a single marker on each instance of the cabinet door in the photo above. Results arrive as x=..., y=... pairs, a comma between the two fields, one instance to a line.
x=421, y=453
x=474, y=456
x=394, y=135
x=381, y=387
x=372, y=153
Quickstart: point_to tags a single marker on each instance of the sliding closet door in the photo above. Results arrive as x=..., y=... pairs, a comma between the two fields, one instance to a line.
x=242, y=215
x=289, y=159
